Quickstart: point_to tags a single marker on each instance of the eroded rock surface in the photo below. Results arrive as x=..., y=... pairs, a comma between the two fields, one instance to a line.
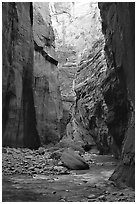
x=81, y=72
x=46, y=85
x=18, y=112
x=118, y=26
x=90, y=108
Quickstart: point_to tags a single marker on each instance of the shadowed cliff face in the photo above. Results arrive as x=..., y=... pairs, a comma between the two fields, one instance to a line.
x=32, y=109
x=118, y=26
x=19, y=124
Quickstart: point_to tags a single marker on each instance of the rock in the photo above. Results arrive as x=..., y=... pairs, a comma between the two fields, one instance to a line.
x=114, y=193
x=56, y=155
x=100, y=164
x=121, y=194
x=84, y=181
x=31, y=168
x=62, y=200
x=19, y=125
x=122, y=199
x=29, y=157
x=92, y=200
x=67, y=142
x=119, y=85
x=58, y=168
x=75, y=37
x=102, y=197
x=41, y=150
x=90, y=109
x=73, y=161
x=60, y=163
x=47, y=155
x=92, y=196
x=4, y=150
x=47, y=97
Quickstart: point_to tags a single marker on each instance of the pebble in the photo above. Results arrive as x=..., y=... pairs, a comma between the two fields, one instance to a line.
x=107, y=192
x=60, y=163
x=84, y=200
x=122, y=199
x=85, y=181
x=28, y=157
x=121, y=194
x=102, y=197
x=92, y=200
x=41, y=150
x=91, y=196
x=4, y=150
x=62, y=200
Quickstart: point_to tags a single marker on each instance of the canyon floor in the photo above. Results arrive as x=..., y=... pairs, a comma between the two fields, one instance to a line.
x=38, y=175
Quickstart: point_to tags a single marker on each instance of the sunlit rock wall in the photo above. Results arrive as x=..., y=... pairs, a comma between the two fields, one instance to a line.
x=90, y=108
x=75, y=32
x=47, y=95
x=18, y=112
x=118, y=26
x=82, y=69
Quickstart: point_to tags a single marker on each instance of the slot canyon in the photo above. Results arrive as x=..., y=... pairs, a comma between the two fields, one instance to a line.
x=68, y=101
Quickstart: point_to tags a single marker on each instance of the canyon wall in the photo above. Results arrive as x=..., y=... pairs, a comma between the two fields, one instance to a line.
x=18, y=112
x=80, y=67
x=32, y=108
x=47, y=97
x=118, y=27
x=90, y=107
x=96, y=74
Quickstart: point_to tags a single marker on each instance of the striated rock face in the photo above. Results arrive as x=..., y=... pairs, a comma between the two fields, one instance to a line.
x=18, y=112
x=47, y=97
x=81, y=71
x=90, y=108
x=118, y=26
x=73, y=24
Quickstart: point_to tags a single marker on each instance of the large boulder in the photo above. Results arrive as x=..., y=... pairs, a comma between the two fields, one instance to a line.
x=73, y=160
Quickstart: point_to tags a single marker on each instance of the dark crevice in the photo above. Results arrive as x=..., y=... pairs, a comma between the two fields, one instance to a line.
x=44, y=54
x=31, y=138
x=31, y=13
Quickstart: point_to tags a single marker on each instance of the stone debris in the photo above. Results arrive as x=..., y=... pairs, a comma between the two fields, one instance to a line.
x=25, y=161
x=102, y=198
x=51, y=174
x=92, y=196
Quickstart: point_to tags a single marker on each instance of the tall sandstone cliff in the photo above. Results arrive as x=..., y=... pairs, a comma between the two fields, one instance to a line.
x=81, y=70
x=118, y=26
x=32, y=109
x=18, y=121
x=47, y=96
